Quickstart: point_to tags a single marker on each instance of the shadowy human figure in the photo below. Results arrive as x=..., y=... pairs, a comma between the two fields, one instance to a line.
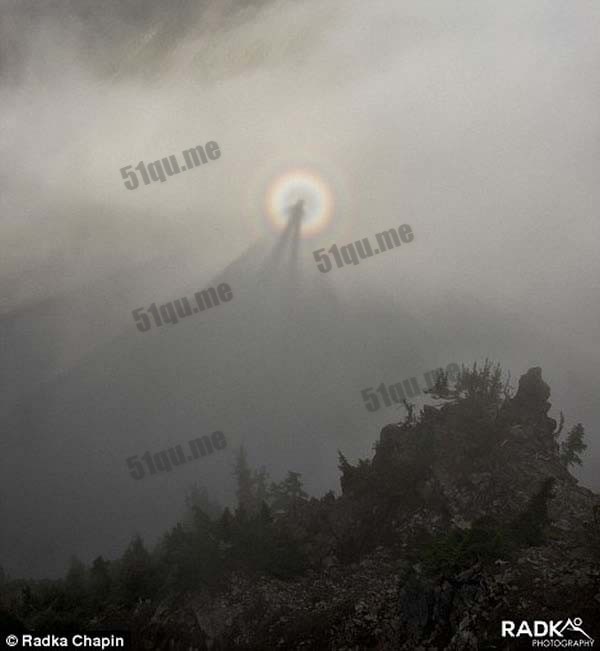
x=291, y=231
x=296, y=211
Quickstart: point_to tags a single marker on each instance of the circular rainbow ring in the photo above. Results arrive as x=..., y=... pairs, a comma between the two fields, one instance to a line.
x=297, y=184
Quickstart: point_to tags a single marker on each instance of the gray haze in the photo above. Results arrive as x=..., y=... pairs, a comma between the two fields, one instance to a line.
x=475, y=122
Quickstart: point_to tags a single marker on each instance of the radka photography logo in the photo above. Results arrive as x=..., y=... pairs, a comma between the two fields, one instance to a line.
x=550, y=634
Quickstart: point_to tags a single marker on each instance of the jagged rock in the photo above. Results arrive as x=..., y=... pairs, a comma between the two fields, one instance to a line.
x=530, y=404
x=533, y=393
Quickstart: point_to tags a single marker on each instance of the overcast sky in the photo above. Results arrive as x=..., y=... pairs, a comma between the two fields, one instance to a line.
x=475, y=122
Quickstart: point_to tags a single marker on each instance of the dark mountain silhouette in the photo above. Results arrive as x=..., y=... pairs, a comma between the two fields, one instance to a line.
x=465, y=515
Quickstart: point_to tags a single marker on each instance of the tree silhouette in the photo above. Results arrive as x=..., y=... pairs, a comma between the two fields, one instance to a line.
x=76, y=579
x=573, y=446
x=260, y=480
x=197, y=497
x=100, y=580
x=287, y=494
x=136, y=572
x=245, y=489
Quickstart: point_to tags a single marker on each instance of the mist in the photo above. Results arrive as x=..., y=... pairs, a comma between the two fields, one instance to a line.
x=476, y=124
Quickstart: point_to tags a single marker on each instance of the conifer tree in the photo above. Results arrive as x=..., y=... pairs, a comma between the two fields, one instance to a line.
x=100, y=581
x=294, y=487
x=288, y=493
x=573, y=446
x=262, y=491
x=197, y=497
x=136, y=572
x=245, y=490
x=226, y=525
x=75, y=581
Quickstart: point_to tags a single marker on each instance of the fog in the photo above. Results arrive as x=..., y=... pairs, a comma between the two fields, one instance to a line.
x=476, y=123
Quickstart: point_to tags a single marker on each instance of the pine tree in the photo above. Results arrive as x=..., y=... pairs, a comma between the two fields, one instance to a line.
x=245, y=490
x=260, y=480
x=29, y=603
x=173, y=553
x=100, y=581
x=75, y=581
x=136, y=572
x=287, y=494
x=265, y=517
x=440, y=387
x=294, y=487
x=276, y=496
x=196, y=498
x=202, y=565
x=484, y=383
x=573, y=446
x=226, y=525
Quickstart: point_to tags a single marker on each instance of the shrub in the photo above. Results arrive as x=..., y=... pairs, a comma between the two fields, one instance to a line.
x=459, y=549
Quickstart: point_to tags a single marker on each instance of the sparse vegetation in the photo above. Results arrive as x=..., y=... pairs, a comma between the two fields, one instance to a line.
x=474, y=385
x=458, y=549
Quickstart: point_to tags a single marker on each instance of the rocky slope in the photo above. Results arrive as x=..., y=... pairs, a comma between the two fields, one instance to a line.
x=465, y=516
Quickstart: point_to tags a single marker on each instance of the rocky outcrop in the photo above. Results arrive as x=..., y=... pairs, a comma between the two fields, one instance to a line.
x=530, y=404
x=463, y=518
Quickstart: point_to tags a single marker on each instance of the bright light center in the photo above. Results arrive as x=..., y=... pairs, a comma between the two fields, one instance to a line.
x=287, y=190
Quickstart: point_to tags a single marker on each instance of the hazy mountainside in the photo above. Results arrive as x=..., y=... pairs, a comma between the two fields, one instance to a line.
x=288, y=354
x=466, y=514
